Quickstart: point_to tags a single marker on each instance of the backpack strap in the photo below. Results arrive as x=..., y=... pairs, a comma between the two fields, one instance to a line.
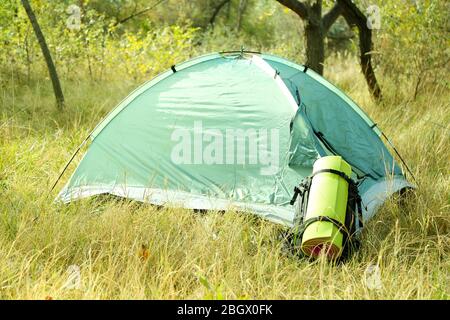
x=336, y=172
x=352, y=188
x=354, y=192
x=308, y=222
x=301, y=189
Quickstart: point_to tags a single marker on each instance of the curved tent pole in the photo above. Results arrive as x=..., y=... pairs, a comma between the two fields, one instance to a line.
x=399, y=156
x=69, y=162
x=395, y=150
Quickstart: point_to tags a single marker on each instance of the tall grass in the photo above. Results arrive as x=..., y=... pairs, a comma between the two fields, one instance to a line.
x=127, y=250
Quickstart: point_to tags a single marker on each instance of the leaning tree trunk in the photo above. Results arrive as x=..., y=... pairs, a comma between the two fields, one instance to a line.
x=46, y=53
x=365, y=48
x=355, y=18
x=216, y=11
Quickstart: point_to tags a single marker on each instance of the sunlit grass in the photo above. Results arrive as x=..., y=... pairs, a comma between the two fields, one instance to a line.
x=126, y=250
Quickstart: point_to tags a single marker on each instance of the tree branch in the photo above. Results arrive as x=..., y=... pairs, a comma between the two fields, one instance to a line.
x=138, y=13
x=217, y=10
x=331, y=16
x=298, y=7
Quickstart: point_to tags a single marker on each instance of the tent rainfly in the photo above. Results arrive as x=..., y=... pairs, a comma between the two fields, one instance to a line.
x=234, y=130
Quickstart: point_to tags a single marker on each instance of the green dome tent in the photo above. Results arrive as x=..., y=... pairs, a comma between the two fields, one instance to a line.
x=232, y=130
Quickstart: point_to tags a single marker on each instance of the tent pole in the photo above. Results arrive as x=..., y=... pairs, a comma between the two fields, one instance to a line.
x=400, y=157
x=69, y=162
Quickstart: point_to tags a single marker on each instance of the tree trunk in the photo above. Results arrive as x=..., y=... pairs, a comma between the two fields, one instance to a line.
x=315, y=36
x=315, y=48
x=355, y=18
x=46, y=53
x=317, y=27
x=365, y=48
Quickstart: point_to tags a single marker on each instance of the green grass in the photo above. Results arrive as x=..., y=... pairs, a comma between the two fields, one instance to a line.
x=126, y=250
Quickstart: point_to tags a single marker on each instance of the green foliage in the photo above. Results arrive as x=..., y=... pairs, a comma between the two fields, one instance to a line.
x=414, y=45
x=109, y=46
x=98, y=48
x=142, y=55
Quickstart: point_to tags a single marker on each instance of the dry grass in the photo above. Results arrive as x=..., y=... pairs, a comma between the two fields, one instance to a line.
x=125, y=250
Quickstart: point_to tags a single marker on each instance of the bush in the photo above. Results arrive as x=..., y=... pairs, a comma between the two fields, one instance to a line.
x=414, y=47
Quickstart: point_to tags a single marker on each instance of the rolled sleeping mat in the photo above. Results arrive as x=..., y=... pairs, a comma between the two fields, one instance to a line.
x=327, y=197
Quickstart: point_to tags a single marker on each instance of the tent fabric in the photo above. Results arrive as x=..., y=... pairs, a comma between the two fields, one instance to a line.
x=235, y=131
